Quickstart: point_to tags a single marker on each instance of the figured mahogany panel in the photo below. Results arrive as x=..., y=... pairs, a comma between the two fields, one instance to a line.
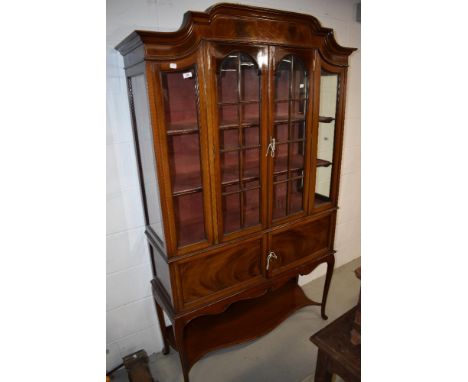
x=300, y=241
x=214, y=272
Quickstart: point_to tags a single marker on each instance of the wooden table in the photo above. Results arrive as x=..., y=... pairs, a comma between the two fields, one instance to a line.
x=337, y=355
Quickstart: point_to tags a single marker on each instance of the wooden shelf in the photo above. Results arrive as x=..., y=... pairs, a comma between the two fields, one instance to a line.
x=235, y=103
x=247, y=122
x=292, y=99
x=187, y=183
x=246, y=178
x=326, y=119
x=237, y=148
x=251, y=172
x=242, y=321
x=323, y=163
x=294, y=118
x=281, y=164
x=181, y=128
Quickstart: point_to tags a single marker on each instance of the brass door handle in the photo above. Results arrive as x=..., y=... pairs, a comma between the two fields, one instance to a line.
x=271, y=255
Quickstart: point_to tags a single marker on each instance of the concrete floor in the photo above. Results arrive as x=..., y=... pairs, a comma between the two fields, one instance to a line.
x=283, y=355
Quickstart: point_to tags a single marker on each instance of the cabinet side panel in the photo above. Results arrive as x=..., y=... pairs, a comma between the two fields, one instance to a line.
x=144, y=140
x=162, y=271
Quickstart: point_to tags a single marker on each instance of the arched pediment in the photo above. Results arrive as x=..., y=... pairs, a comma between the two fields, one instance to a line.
x=237, y=23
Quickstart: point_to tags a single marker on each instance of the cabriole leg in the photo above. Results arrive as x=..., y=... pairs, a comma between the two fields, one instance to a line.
x=179, y=339
x=162, y=326
x=330, y=266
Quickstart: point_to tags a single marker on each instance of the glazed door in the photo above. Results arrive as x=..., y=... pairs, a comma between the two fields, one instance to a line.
x=289, y=132
x=182, y=132
x=330, y=82
x=239, y=77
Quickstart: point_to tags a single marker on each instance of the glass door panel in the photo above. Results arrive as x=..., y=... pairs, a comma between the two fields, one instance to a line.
x=329, y=83
x=180, y=91
x=290, y=108
x=144, y=139
x=238, y=84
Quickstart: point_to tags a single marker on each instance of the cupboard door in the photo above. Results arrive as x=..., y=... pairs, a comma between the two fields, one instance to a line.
x=239, y=137
x=289, y=132
x=186, y=159
x=221, y=272
x=299, y=243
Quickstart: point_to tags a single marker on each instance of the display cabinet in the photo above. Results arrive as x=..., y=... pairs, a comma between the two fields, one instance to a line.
x=238, y=126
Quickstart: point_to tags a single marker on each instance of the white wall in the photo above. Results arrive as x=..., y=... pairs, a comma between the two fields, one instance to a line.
x=131, y=318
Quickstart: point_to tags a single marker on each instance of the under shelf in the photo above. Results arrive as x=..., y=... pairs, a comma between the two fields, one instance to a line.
x=242, y=321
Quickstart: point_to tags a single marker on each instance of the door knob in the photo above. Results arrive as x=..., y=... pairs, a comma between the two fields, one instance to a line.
x=271, y=255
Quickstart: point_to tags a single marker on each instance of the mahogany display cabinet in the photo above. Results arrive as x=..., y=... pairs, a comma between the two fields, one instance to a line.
x=238, y=127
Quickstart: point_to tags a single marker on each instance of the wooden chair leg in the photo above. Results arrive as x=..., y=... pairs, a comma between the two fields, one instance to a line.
x=330, y=266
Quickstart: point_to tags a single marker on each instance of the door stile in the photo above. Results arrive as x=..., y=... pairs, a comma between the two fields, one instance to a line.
x=211, y=123
x=204, y=148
